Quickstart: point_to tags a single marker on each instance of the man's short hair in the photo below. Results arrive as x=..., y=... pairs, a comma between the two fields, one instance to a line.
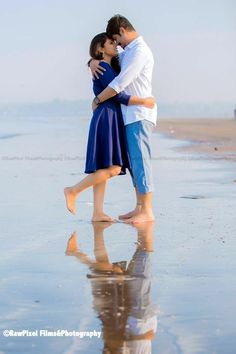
x=116, y=22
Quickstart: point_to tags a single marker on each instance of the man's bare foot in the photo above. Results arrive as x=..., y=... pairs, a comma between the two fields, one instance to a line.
x=102, y=217
x=72, y=247
x=70, y=199
x=141, y=217
x=131, y=213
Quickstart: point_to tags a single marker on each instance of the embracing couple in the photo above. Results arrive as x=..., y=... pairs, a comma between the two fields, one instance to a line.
x=124, y=115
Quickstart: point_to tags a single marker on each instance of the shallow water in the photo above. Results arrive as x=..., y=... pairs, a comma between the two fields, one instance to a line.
x=162, y=288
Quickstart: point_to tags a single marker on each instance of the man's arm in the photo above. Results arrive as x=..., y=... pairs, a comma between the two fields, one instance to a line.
x=95, y=68
x=107, y=93
x=131, y=68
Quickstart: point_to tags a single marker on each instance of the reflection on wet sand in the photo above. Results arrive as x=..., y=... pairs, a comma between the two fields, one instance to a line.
x=121, y=293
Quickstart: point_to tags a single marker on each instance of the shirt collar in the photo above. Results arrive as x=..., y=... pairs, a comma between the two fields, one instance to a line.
x=131, y=44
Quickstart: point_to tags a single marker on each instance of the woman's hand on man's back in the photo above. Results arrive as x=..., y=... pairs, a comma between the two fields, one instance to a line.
x=149, y=102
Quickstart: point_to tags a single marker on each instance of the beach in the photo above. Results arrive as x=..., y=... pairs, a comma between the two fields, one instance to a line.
x=173, y=285
x=216, y=137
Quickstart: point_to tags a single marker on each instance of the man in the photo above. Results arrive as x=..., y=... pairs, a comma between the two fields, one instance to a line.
x=135, y=79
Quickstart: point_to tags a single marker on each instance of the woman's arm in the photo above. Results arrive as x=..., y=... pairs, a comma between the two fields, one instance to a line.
x=148, y=102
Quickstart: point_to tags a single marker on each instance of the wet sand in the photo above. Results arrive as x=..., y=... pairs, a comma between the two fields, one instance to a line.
x=212, y=136
x=166, y=288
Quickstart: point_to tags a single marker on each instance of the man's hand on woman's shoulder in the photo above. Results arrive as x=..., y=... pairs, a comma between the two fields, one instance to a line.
x=96, y=68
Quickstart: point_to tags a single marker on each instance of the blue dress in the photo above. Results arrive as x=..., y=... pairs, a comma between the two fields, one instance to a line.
x=106, y=140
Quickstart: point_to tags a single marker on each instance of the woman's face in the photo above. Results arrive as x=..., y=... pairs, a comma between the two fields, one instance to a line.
x=110, y=48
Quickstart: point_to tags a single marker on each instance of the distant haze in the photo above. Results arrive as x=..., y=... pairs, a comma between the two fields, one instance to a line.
x=44, y=47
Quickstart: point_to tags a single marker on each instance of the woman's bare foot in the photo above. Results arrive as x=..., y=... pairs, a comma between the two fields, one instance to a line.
x=141, y=217
x=131, y=213
x=102, y=217
x=70, y=199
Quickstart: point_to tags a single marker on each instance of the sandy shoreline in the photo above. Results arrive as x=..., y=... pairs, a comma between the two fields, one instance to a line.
x=212, y=136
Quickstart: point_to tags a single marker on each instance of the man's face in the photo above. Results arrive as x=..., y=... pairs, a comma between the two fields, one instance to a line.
x=120, y=39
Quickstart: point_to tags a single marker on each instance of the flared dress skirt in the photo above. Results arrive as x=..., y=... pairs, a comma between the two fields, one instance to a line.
x=106, y=140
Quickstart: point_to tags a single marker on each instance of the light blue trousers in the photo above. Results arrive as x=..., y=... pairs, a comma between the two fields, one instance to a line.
x=138, y=135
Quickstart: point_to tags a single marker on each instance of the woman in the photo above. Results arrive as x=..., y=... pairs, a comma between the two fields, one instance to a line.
x=106, y=149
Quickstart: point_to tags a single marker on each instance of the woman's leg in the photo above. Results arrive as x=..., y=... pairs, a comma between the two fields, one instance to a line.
x=101, y=261
x=91, y=180
x=98, y=200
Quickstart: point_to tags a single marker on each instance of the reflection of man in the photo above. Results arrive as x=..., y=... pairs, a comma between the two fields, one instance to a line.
x=121, y=297
x=135, y=79
x=142, y=320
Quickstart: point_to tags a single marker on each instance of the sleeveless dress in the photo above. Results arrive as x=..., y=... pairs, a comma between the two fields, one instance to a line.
x=106, y=140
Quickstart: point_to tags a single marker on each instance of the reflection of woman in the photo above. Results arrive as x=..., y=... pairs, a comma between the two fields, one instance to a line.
x=121, y=296
x=108, y=288
x=106, y=150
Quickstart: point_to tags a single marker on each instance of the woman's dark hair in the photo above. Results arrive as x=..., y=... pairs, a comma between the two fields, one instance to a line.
x=116, y=22
x=100, y=40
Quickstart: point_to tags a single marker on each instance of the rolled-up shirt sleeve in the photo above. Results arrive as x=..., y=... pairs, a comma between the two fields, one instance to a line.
x=133, y=64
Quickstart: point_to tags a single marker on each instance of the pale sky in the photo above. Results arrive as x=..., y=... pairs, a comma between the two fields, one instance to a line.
x=44, y=47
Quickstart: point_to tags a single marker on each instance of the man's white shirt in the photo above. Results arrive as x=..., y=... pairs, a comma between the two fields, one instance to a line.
x=135, y=79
